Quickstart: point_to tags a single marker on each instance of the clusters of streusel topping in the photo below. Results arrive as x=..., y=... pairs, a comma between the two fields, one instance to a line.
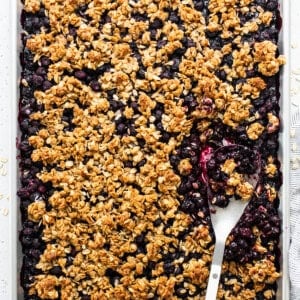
x=126, y=95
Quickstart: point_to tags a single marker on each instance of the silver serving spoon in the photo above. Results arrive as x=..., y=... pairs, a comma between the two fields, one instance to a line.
x=223, y=221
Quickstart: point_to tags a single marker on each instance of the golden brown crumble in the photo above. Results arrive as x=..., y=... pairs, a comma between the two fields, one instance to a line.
x=108, y=188
x=32, y=5
x=36, y=210
x=255, y=130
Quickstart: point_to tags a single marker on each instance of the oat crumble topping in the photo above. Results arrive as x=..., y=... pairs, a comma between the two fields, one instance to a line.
x=119, y=101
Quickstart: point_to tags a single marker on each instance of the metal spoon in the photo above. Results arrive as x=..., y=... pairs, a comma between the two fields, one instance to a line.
x=223, y=221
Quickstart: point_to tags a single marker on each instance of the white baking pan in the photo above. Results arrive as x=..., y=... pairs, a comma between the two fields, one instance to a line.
x=284, y=152
x=15, y=291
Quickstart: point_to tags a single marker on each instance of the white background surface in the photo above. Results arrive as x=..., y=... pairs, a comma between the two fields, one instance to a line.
x=7, y=283
x=6, y=99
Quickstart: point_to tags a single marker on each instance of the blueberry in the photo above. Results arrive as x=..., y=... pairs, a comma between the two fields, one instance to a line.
x=121, y=128
x=26, y=241
x=36, y=22
x=26, y=91
x=174, y=160
x=141, y=163
x=173, y=17
x=275, y=220
x=114, y=105
x=105, y=18
x=85, y=297
x=134, y=105
x=141, y=142
x=245, y=232
x=102, y=69
x=35, y=196
x=94, y=84
x=240, y=253
x=199, y=4
x=216, y=43
x=211, y=164
x=169, y=268
x=160, y=126
x=181, y=292
x=222, y=75
x=153, y=33
x=242, y=244
x=41, y=12
x=264, y=35
x=45, y=61
x=79, y=74
x=156, y=24
x=259, y=296
x=23, y=193
x=28, y=231
x=250, y=73
x=274, y=232
x=194, y=160
x=56, y=270
x=227, y=60
x=45, y=22
x=212, y=34
x=261, y=2
x=42, y=189
x=41, y=71
x=113, y=276
x=69, y=260
x=24, y=146
x=140, y=239
x=35, y=253
x=81, y=9
x=132, y=130
x=255, y=255
x=141, y=73
x=28, y=26
x=179, y=52
x=165, y=137
x=139, y=17
x=220, y=157
x=199, y=201
x=158, y=114
x=47, y=85
x=161, y=43
x=272, y=146
x=72, y=31
x=32, y=130
x=178, y=270
x=234, y=246
x=190, y=101
x=166, y=73
x=26, y=111
x=175, y=65
x=157, y=222
x=228, y=254
x=188, y=206
x=220, y=200
x=28, y=102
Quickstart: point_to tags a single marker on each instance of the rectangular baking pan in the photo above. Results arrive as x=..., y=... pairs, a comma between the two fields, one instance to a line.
x=16, y=291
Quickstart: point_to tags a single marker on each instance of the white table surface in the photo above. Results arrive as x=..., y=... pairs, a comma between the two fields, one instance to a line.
x=7, y=282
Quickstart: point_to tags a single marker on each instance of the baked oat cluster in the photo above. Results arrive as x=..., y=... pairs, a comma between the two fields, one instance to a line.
x=133, y=115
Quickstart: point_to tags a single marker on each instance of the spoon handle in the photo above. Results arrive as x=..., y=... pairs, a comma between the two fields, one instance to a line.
x=215, y=270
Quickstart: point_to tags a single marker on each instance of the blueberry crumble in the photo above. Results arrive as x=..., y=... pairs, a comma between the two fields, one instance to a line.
x=134, y=114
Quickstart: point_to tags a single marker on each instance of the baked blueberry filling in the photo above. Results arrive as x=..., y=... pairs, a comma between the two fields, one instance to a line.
x=134, y=115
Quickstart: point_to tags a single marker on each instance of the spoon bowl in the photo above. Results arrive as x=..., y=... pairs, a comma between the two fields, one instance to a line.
x=223, y=221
